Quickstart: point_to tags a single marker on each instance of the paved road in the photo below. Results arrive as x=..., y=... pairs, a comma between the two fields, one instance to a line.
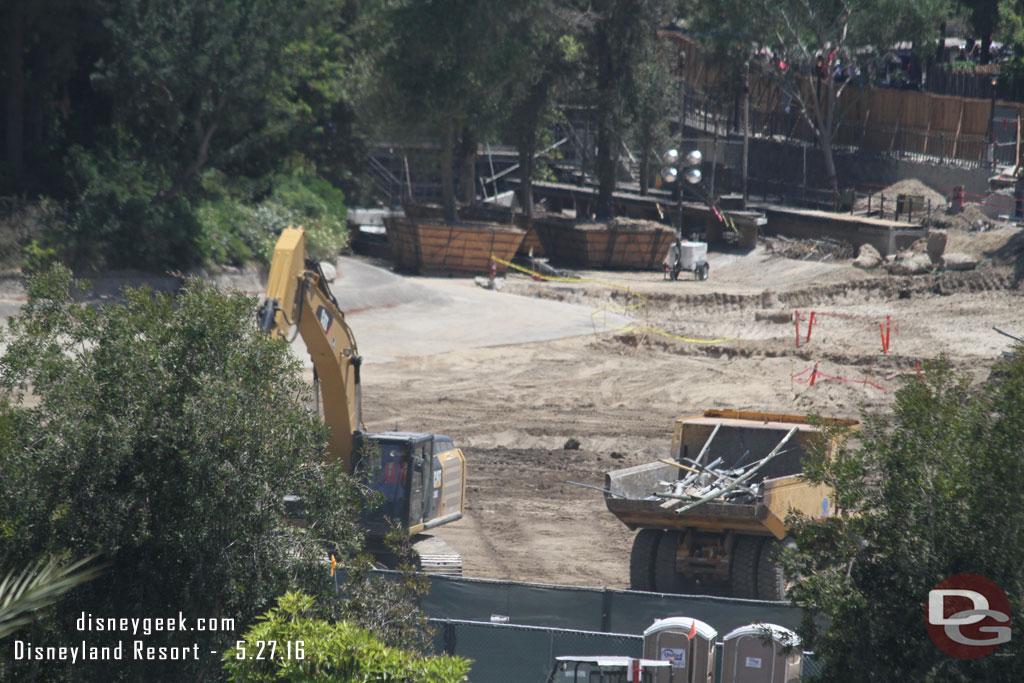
x=394, y=316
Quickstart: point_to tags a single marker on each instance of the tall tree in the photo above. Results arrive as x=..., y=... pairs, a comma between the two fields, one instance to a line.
x=621, y=36
x=546, y=60
x=984, y=16
x=935, y=489
x=444, y=75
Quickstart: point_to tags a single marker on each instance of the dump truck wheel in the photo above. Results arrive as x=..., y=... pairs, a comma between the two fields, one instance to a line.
x=771, y=580
x=743, y=569
x=666, y=578
x=641, y=559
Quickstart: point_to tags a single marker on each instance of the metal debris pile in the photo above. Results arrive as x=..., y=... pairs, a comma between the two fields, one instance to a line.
x=705, y=483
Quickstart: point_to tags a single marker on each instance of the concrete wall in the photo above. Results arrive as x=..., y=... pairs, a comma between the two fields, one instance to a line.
x=887, y=237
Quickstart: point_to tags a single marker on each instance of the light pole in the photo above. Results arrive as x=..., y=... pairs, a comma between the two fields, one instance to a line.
x=670, y=176
x=993, y=82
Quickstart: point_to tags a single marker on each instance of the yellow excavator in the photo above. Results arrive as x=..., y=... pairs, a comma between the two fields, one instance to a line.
x=421, y=477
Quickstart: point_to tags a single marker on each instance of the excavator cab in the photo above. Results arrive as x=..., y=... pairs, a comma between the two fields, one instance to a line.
x=419, y=476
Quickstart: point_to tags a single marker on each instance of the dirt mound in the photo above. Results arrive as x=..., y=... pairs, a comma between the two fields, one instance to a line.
x=971, y=219
x=621, y=223
x=909, y=186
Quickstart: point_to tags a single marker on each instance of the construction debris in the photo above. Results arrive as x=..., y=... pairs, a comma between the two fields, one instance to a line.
x=822, y=249
x=705, y=483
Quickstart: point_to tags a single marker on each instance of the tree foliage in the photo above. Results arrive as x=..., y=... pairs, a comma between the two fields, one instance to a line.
x=117, y=108
x=22, y=597
x=545, y=63
x=936, y=488
x=619, y=45
x=330, y=651
x=801, y=43
x=443, y=75
x=162, y=433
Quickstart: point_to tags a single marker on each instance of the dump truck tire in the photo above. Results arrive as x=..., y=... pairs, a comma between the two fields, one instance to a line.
x=771, y=580
x=641, y=559
x=743, y=570
x=666, y=578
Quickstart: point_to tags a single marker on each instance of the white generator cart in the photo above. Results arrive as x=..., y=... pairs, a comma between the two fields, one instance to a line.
x=691, y=256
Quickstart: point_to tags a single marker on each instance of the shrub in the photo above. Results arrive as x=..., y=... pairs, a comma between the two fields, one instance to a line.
x=321, y=651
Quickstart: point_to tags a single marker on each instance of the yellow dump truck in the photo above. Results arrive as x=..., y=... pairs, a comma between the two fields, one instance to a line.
x=711, y=519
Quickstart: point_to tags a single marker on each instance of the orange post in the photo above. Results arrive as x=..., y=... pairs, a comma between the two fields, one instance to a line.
x=810, y=326
x=814, y=373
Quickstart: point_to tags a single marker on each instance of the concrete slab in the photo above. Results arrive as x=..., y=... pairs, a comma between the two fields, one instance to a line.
x=395, y=317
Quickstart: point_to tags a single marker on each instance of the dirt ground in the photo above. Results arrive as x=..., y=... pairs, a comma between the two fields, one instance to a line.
x=617, y=390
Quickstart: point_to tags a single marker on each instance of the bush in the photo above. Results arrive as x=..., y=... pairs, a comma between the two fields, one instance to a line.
x=27, y=235
x=321, y=651
x=234, y=230
x=321, y=209
x=123, y=214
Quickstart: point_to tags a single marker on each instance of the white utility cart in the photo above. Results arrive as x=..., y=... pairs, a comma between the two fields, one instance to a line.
x=691, y=256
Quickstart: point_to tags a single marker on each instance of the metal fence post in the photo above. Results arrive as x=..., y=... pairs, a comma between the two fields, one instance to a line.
x=449, y=638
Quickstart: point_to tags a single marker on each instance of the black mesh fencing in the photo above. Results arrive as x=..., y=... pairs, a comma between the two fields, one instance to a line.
x=591, y=609
x=513, y=631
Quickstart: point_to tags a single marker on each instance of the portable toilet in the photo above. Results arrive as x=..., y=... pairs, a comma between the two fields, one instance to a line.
x=761, y=653
x=688, y=644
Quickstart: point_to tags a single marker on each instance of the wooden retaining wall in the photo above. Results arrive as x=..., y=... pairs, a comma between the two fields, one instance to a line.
x=613, y=247
x=433, y=247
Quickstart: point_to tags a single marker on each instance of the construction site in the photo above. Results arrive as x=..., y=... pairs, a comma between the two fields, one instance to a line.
x=549, y=382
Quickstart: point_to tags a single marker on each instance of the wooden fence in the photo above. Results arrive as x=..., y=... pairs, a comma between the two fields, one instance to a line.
x=877, y=119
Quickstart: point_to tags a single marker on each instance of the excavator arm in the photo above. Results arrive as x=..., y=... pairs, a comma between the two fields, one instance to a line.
x=298, y=295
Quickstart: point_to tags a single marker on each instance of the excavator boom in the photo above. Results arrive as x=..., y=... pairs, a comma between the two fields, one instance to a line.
x=297, y=294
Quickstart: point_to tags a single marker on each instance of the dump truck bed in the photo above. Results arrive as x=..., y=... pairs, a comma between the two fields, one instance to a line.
x=741, y=437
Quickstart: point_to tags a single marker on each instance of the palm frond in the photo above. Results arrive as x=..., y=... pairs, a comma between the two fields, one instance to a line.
x=39, y=586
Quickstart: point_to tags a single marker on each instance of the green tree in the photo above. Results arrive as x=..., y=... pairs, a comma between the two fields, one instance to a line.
x=806, y=40
x=655, y=97
x=985, y=16
x=162, y=433
x=546, y=60
x=444, y=74
x=935, y=489
x=313, y=649
x=22, y=597
x=621, y=37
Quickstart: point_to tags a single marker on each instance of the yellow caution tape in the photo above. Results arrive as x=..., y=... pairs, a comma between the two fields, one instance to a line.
x=642, y=302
